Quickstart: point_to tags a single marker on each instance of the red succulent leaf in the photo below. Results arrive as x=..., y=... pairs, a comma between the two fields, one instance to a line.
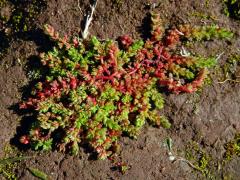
x=75, y=42
x=25, y=139
x=73, y=82
x=126, y=41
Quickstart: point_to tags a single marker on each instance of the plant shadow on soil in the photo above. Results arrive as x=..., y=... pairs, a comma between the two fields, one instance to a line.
x=4, y=42
x=44, y=44
x=145, y=28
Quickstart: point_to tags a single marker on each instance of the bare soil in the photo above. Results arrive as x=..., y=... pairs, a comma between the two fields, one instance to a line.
x=209, y=118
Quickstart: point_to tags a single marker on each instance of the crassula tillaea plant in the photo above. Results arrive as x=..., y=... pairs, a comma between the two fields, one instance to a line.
x=95, y=91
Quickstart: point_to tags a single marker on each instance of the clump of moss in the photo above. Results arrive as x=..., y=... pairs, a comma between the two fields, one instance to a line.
x=2, y=3
x=7, y=171
x=201, y=160
x=233, y=148
x=24, y=14
x=2, y=17
x=117, y=3
x=19, y=19
x=8, y=165
x=202, y=16
x=229, y=71
x=232, y=8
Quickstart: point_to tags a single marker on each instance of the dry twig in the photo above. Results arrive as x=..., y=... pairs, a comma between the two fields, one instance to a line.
x=231, y=80
x=186, y=161
x=80, y=9
x=89, y=20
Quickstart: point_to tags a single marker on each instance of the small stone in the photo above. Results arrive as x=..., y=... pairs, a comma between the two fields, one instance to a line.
x=171, y=158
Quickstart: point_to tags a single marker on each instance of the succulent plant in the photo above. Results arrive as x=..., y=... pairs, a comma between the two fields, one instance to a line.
x=95, y=91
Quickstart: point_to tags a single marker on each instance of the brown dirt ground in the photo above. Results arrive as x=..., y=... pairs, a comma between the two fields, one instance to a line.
x=210, y=118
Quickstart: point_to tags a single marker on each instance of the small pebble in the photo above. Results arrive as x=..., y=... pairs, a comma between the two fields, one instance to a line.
x=171, y=158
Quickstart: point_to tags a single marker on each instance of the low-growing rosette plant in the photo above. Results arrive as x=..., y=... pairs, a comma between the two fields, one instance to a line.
x=96, y=91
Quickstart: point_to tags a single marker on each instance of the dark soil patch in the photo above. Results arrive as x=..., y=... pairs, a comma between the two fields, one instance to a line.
x=209, y=118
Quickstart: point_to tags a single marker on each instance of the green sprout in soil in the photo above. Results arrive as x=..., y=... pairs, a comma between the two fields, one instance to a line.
x=8, y=166
x=196, y=158
x=23, y=17
x=7, y=169
x=37, y=173
x=201, y=160
x=233, y=148
x=203, y=16
x=8, y=163
x=96, y=91
x=232, y=8
x=24, y=14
